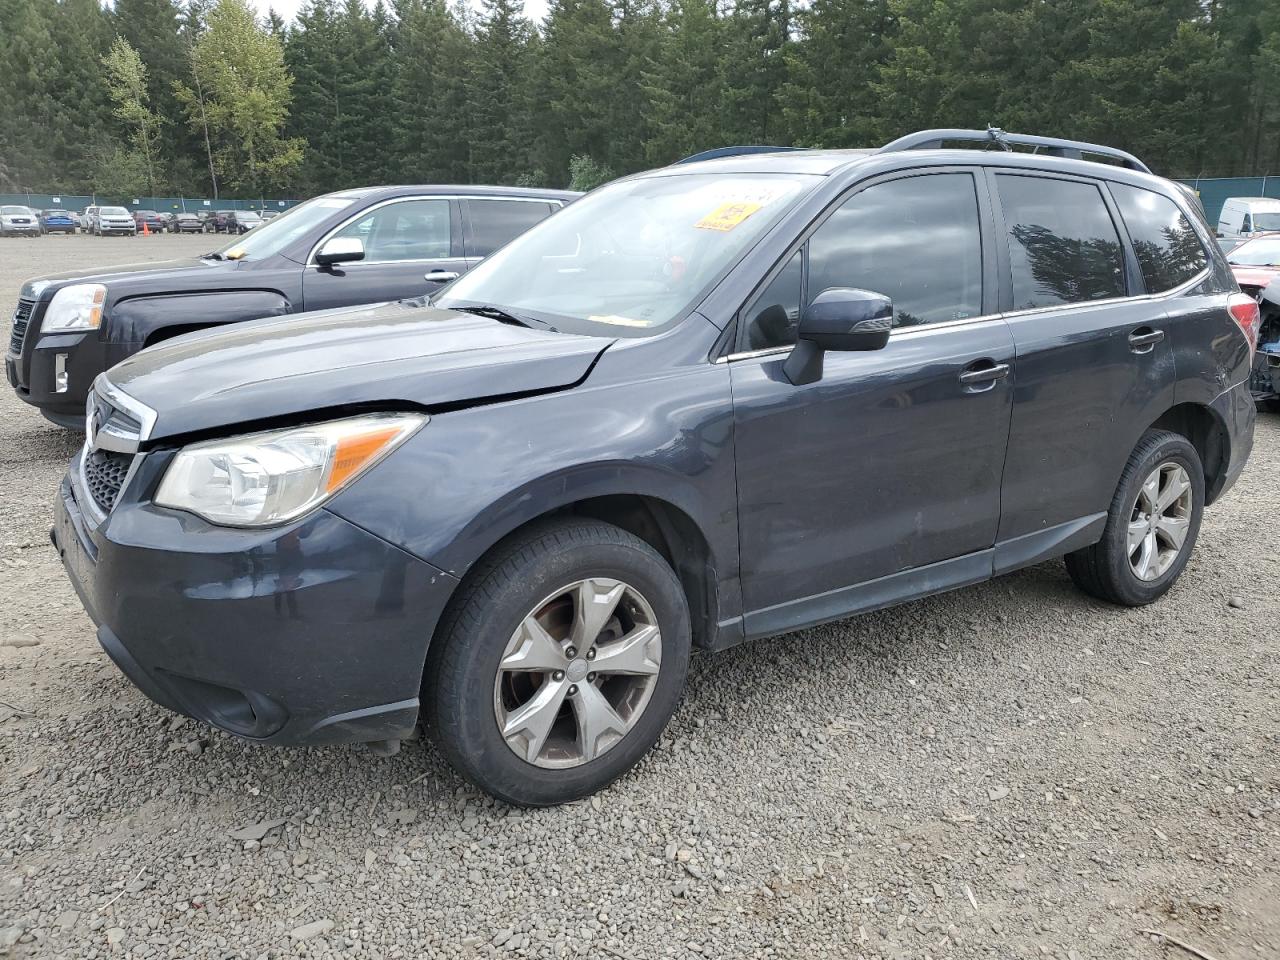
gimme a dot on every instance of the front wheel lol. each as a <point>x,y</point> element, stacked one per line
<point>559,663</point>
<point>1152,524</point>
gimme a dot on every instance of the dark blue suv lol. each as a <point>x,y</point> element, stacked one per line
<point>705,404</point>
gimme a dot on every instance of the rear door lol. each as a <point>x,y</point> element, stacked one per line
<point>412,246</point>
<point>490,222</point>
<point>1094,361</point>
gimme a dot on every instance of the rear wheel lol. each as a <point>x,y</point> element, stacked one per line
<point>1152,524</point>
<point>559,663</point>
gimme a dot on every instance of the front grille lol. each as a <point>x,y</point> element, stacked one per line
<point>21,317</point>
<point>104,473</point>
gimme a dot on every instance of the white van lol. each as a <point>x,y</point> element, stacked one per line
<point>1245,216</point>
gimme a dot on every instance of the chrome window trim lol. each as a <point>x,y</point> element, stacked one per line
<point>923,328</point>
<point>311,257</point>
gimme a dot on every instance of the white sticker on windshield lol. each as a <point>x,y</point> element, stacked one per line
<point>618,321</point>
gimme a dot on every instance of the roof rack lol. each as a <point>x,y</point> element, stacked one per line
<point>719,152</point>
<point>995,137</point>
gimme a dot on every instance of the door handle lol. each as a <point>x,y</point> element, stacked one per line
<point>984,372</point>
<point>441,276</point>
<point>1144,339</point>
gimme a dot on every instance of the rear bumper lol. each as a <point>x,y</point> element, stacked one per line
<point>314,633</point>
<point>1238,413</point>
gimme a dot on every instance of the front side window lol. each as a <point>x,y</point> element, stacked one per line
<point>494,222</point>
<point>409,230</point>
<point>1168,250</point>
<point>773,316</point>
<point>633,257</point>
<point>1063,246</point>
<point>915,240</point>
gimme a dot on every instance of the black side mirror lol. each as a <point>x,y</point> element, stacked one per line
<point>839,318</point>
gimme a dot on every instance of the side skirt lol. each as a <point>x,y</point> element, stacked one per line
<point>1004,557</point>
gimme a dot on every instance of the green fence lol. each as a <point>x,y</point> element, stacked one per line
<point>46,201</point>
<point>1215,191</point>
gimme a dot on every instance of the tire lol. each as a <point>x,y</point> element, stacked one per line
<point>1107,569</point>
<point>537,571</point>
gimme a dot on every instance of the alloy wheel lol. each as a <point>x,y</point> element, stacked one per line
<point>1159,521</point>
<point>577,673</point>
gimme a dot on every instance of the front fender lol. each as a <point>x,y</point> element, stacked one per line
<point>136,319</point>
<point>473,476</point>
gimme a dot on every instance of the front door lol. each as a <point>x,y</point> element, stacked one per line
<point>412,247</point>
<point>892,461</point>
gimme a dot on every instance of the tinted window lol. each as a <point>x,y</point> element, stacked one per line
<point>915,240</point>
<point>772,316</point>
<point>411,230</point>
<point>1168,250</point>
<point>1063,247</point>
<point>494,222</point>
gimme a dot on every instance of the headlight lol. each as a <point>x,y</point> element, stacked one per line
<point>270,478</point>
<point>77,307</point>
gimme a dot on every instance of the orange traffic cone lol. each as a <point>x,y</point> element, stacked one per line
<point>146,231</point>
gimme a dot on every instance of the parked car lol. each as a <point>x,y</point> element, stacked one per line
<point>706,404</point>
<point>1244,217</point>
<point>150,219</point>
<point>345,248</point>
<point>89,220</point>
<point>220,221</point>
<point>187,223</point>
<point>1256,266</point>
<point>58,221</point>
<point>270,214</point>
<point>242,221</point>
<point>117,220</point>
<point>19,221</point>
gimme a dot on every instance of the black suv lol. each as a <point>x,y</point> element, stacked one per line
<point>705,404</point>
<point>357,246</point>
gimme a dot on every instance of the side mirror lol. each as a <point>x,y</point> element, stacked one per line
<point>340,250</point>
<point>839,318</point>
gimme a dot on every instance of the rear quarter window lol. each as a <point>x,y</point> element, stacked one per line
<point>1168,250</point>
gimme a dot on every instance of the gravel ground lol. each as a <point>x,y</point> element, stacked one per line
<point>1011,770</point>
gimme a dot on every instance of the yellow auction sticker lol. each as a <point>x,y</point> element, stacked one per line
<point>727,216</point>
<point>235,254</point>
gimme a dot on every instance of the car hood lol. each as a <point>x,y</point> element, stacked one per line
<point>388,355</point>
<point>115,277</point>
<point>1255,276</point>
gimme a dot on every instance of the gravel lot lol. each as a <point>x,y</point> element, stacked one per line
<point>1011,770</point>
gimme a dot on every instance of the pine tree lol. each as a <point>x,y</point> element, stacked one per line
<point>683,84</point>
<point>501,136</point>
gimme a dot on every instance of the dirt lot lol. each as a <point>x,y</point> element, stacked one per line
<point>1011,770</point>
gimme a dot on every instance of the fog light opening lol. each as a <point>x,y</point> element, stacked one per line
<point>60,381</point>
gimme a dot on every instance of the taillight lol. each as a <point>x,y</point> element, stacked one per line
<point>1248,317</point>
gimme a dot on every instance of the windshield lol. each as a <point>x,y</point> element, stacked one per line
<point>1263,252</point>
<point>1266,221</point>
<point>631,258</point>
<point>270,238</point>
<point>11,211</point>
<point>147,213</point>
<point>113,211</point>
<point>56,213</point>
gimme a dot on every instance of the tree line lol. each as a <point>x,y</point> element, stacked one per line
<point>201,96</point>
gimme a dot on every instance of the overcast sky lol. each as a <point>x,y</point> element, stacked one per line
<point>534,9</point>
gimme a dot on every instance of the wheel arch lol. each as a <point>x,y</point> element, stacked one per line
<point>1207,432</point>
<point>151,318</point>
<point>659,522</point>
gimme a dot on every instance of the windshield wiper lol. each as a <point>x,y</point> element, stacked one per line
<point>212,256</point>
<point>502,315</point>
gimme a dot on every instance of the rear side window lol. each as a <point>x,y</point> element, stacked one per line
<point>1168,250</point>
<point>1063,246</point>
<point>494,222</point>
<point>915,240</point>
